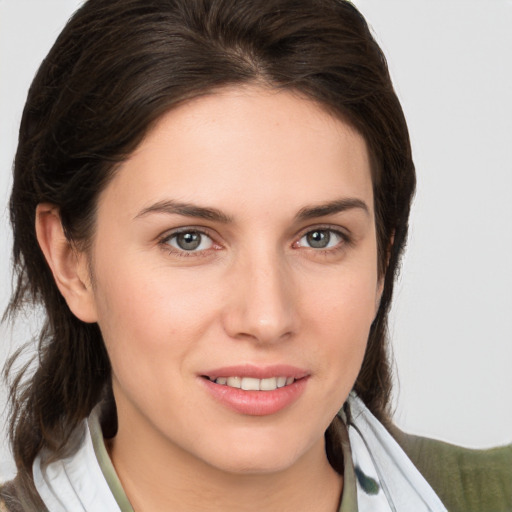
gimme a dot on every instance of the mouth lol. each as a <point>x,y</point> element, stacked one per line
<point>256,390</point>
<point>252,383</point>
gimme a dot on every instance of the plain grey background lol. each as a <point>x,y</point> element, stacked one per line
<point>451,61</point>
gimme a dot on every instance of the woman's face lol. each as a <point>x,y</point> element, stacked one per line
<point>237,247</point>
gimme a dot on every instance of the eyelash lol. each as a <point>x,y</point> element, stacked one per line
<point>181,253</point>
<point>345,240</point>
<point>164,241</point>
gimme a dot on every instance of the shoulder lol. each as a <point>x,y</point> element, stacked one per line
<point>8,498</point>
<point>466,480</point>
<point>12,499</point>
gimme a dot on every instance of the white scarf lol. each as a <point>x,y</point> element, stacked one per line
<point>386,480</point>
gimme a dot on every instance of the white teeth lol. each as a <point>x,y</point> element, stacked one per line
<point>253,384</point>
<point>233,382</point>
<point>281,381</point>
<point>268,384</point>
<point>250,384</point>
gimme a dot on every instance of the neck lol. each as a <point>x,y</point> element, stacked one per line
<point>158,477</point>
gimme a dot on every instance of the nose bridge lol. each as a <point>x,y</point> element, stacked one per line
<point>262,306</point>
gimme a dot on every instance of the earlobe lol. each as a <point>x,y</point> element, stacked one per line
<point>69,266</point>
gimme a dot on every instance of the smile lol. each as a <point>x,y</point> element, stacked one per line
<point>256,390</point>
<point>253,384</point>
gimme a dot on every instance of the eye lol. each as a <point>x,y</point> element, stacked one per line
<point>190,241</point>
<point>321,239</point>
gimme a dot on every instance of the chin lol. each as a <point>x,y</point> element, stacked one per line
<point>260,456</point>
<point>273,463</point>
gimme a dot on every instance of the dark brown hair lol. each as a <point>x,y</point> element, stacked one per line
<point>117,66</point>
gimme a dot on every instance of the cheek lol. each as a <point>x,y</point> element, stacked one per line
<point>149,315</point>
<point>345,298</point>
<point>341,313</point>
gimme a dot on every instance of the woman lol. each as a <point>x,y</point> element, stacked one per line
<point>210,200</point>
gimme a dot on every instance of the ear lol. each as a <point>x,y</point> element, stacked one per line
<point>68,265</point>
<point>378,295</point>
<point>382,278</point>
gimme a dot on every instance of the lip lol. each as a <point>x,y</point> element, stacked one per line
<point>256,372</point>
<point>256,403</point>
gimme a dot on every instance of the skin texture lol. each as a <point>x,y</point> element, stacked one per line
<point>254,292</point>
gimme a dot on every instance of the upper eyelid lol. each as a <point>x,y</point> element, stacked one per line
<point>168,234</point>
<point>344,239</point>
<point>163,242</point>
<point>344,232</point>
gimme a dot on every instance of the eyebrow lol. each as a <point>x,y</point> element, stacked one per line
<point>330,208</point>
<point>186,209</point>
<point>171,207</point>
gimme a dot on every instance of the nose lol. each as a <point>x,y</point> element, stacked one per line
<point>262,304</point>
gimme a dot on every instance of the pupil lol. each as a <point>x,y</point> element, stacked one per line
<point>318,239</point>
<point>188,241</point>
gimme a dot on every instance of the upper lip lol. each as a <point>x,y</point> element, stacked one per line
<point>256,372</point>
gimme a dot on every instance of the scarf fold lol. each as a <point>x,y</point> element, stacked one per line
<point>76,483</point>
<point>385,479</point>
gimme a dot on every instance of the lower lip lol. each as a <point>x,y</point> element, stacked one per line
<point>256,403</point>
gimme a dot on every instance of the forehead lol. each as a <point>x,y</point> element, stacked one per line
<point>246,147</point>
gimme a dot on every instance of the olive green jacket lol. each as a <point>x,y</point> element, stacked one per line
<point>465,480</point>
